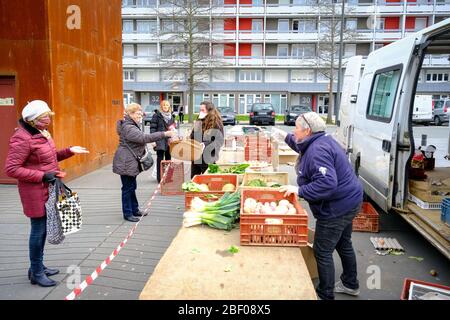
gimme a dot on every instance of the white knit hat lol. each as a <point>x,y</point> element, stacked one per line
<point>34,109</point>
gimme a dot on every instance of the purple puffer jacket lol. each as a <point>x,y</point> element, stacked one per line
<point>325,177</point>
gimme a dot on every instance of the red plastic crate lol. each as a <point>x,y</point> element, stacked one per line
<point>215,183</point>
<point>407,285</point>
<point>171,183</point>
<point>367,220</point>
<point>259,230</point>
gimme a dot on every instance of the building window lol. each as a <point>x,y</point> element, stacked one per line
<point>350,50</point>
<point>437,76</point>
<point>283,50</point>
<point>250,76</point>
<point>172,51</point>
<point>223,75</point>
<point>302,75</point>
<point>147,75</point>
<point>324,76</point>
<point>172,25</point>
<point>172,75</point>
<point>303,50</point>
<point>283,25</point>
<point>218,25</point>
<point>383,94</point>
<point>146,26</point>
<point>146,50</point>
<point>307,25</point>
<point>127,3</point>
<point>276,76</point>
<point>128,50</point>
<point>267,98</point>
<point>202,77</point>
<point>146,3</point>
<point>257,25</point>
<point>128,75</point>
<point>127,26</point>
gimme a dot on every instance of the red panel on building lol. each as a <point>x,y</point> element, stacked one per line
<point>314,102</point>
<point>392,0</point>
<point>245,49</point>
<point>230,2</point>
<point>392,23</point>
<point>229,24</point>
<point>229,50</point>
<point>245,2</point>
<point>245,24</point>
<point>410,23</point>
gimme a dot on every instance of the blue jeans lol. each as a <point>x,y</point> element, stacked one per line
<point>38,236</point>
<point>331,234</point>
<point>130,203</point>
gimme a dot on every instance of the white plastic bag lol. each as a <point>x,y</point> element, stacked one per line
<point>154,173</point>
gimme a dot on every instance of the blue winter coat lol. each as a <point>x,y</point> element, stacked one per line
<point>325,177</point>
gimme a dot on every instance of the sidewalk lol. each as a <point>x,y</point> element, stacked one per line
<point>103,229</point>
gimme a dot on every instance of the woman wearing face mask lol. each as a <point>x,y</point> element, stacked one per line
<point>327,182</point>
<point>162,121</point>
<point>33,160</point>
<point>125,164</point>
<point>208,130</point>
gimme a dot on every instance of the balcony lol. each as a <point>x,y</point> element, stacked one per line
<point>290,9</point>
<point>436,60</point>
<point>141,61</point>
<point>380,34</point>
<point>293,61</point>
<point>139,37</point>
<point>291,35</point>
<point>135,11</point>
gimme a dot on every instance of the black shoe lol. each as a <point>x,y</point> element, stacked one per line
<point>42,280</point>
<point>140,213</point>
<point>132,219</point>
<point>48,272</point>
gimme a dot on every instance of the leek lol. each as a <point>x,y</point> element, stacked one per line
<point>221,214</point>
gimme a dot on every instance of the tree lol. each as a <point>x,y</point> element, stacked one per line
<point>186,38</point>
<point>329,42</point>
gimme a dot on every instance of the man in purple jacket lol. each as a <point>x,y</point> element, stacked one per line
<point>327,182</point>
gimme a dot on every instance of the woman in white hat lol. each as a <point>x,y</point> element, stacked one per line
<point>33,160</point>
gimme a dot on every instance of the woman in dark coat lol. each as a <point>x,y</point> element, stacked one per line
<point>161,121</point>
<point>208,130</point>
<point>125,164</point>
<point>33,160</point>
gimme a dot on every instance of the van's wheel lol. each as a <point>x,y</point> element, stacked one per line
<point>437,121</point>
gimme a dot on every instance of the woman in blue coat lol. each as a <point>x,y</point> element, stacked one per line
<point>327,182</point>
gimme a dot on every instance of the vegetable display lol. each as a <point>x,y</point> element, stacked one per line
<point>251,206</point>
<point>237,169</point>
<point>262,183</point>
<point>221,214</point>
<point>194,187</point>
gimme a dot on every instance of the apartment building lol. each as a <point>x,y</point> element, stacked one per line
<point>269,50</point>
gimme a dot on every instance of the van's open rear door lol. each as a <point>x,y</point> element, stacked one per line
<point>376,119</point>
<point>348,101</point>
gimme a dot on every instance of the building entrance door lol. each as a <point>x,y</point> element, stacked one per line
<point>8,114</point>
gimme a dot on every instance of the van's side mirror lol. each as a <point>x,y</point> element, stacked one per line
<point>353,98</point>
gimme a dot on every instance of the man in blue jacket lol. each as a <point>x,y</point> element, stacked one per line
<point>327,182</point>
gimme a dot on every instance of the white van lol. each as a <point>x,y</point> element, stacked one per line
<point>423,109</point>
<point>375,125</point>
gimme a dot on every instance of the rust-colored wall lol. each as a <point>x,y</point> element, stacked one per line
<point>78,72</point>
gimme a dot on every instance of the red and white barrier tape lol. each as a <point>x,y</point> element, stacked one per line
<point>94,275</point>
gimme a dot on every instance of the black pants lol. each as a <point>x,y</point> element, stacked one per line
<point>160,156</point>
<point>181,115</point>
<point>198,168</point>
<point>331,234</point>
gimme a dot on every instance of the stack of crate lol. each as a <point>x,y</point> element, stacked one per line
<point>258,148</point>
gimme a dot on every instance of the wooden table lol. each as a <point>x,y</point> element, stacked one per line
<point>198,266</point>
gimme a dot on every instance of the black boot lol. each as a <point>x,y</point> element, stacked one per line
<point>48,272</point>
<point>42,280</point>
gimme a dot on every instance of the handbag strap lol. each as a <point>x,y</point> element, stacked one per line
<point>59,185</point>
<point>131,150</point>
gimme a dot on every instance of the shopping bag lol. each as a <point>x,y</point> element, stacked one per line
<point>55,234</point>
<point>69,208</point>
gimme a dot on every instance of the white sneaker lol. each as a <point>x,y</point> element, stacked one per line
<point>340,288</point>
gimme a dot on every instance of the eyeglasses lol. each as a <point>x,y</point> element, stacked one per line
<point>303,117</point>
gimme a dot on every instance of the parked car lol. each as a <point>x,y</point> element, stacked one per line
<point>262,113</point>
<point>441,111</point>
<point>293,112</point>
<point>148,114</point>
<point>228,115</point>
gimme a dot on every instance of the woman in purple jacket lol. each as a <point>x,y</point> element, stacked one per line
<point>327,182</point>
